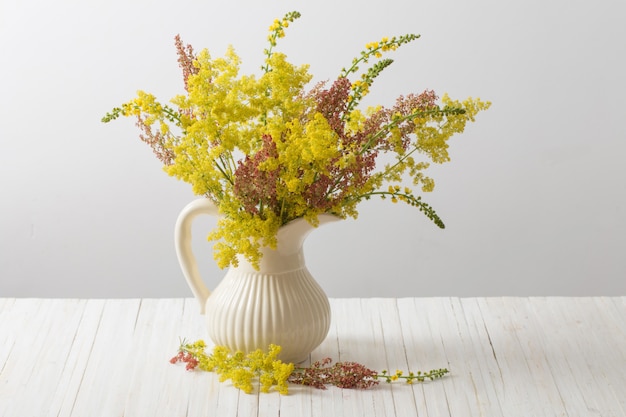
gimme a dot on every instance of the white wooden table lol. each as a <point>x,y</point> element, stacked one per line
<point>507,357</point>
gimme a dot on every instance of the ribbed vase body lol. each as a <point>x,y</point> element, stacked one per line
<point>252,309</point>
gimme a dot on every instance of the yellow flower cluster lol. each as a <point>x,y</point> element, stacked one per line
<point>243,370</point>
<point>267,151</point>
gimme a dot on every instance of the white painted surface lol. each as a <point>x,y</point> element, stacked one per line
<point>508,357</point>
<point>534,199</point>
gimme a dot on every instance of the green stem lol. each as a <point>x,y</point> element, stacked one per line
<point>356,62</point>
<point>221,168</point>
<point>172,115</point>
<point>407,198</point>
<point>419,376</point>
<point>400,160</point>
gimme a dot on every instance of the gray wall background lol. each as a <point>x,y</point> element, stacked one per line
<point>534,198</point>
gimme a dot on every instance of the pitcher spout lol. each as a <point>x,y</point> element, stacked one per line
<point>291,236</point>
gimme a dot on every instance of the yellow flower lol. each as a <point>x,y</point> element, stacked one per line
<point>275,25</point>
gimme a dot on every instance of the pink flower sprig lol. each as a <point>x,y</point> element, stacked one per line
<point>354,375</point>
<point>188,358</point>
<point>341,374</point>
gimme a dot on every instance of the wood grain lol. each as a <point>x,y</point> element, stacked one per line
<point>544,356</point>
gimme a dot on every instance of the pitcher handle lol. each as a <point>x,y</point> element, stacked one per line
<point>182,241</point>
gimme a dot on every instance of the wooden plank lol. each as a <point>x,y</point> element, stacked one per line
<point>557,348</point>
<point>44,329</point>
<point>591,344</point>
<point>53,360</point>
<point>105,381</point>
<point>361,341</point>
<point>195,392</point>
<point>480,362</point>
<point>467,351</point>
<point>384,349</point>
<point>70,379</point>
<point>528,385</point>
<point>5,306</point>
<point>8,336</point>
<point>384,319</point>
<point>42,354</point>
<point>424,351</point>
<point>23,328</point>
<point>154,387</point>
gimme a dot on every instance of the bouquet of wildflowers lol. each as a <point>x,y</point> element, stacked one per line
<point>271,148</point>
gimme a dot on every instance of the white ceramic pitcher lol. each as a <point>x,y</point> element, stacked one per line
<point>278,304</point>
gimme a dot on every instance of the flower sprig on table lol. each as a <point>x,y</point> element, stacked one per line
<point>269,149</point>
<point>243,370</point>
